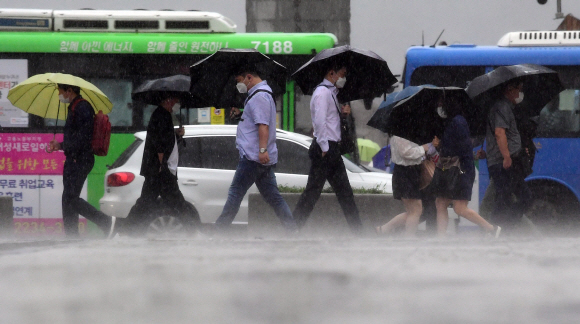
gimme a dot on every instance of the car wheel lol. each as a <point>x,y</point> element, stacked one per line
<point>554,211</point>
<point>164,223</point>
<point>166,227</point>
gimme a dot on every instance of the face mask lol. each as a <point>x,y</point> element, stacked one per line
<point>520,98</point>
<point>63,99</point>
<point>340,82</point>
<point>441,112</point>
<point>242,87</point>
<point>176,108</point>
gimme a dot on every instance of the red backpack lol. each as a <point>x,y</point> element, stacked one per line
<point>101,132</point>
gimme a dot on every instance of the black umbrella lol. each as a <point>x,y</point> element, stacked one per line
<point>212,79</point>
<point>154,91</point>
<point>381,116</point>
<point>368,75</point>
<point>415,117</point>
<point>541,85</point>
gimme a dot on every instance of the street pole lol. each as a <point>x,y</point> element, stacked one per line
<point>559,14</point>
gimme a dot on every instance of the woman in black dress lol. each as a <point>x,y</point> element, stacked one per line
<point>407,157</point>
<point>455,172</point>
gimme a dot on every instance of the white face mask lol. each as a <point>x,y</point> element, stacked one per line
<point>340,82</point>
<point>176,108</point>
<point>242,87</point>
<point>520,98</point>
<point>441,112</point>
<point>63,99</point>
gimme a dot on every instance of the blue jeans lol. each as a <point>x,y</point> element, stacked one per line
<point>247,173</point>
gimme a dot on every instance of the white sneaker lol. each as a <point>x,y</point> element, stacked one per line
<point>112,229</point>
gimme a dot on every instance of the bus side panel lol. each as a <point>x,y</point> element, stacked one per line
<point>558,158</point>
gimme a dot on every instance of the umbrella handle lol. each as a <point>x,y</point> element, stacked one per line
<point>47,148</point>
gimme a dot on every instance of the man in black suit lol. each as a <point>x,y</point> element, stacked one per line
<point>159,166</point>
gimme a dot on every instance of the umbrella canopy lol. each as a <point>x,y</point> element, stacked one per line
<point>541,85</point>
<point>154,91</point>
<point>367,149</point>
<point>381,116</point>
<point>38,95</point>
<point>399,95</point>
<point>414,115</point>
<point>368,75</point>
<point>213,78</point>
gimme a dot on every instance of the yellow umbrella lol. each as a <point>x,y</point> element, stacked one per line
<point>367,149</point>
<point>38,95</point>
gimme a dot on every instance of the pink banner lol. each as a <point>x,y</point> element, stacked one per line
<point>24,153</point>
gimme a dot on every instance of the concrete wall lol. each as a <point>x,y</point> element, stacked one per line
<point>327,218</point>
<point>300,16</point>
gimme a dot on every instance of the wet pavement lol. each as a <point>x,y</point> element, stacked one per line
<point>306,280</point>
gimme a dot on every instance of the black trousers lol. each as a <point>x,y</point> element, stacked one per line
<point>331,168</point>
<point>74,174</point>
<point>163,184</point>
<point>510,182</point>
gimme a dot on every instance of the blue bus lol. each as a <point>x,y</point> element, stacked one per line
<point>555,182</point>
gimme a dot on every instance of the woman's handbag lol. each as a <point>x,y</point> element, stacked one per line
<point>447,176</point>
<point>427,171</point>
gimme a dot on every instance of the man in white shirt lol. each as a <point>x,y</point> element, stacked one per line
<point>324,151</point>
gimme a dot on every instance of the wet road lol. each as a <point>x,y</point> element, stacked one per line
<point>342,280</point>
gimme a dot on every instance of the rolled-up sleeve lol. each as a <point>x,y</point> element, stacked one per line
<point>319,121</point>
<point>262,115</point>
<point>406,149</point>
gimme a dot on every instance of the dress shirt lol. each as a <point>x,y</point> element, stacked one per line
<point>260,109</point>
<point>405,152</point>
<point>324,113</point>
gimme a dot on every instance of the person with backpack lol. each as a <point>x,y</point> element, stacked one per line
<point>256,143</point>
<point>78,150</point>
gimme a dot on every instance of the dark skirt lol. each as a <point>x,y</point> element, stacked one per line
<point>406,180</point>
<point>446,185</point>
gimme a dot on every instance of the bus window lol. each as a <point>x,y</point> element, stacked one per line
<point>119,92</point>
<point>446,76</point>
<point>561,116</point>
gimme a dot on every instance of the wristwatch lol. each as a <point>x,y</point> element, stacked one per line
<point>263,150</point>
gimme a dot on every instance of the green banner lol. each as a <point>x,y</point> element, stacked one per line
<point>176,43</point>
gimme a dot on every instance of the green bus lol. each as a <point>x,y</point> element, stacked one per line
<point>117,51</point>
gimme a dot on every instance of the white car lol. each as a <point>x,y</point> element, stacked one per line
<point>206,168</point>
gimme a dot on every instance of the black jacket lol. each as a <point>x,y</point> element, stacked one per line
<point>78,130</point>
<point>160,139</point>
